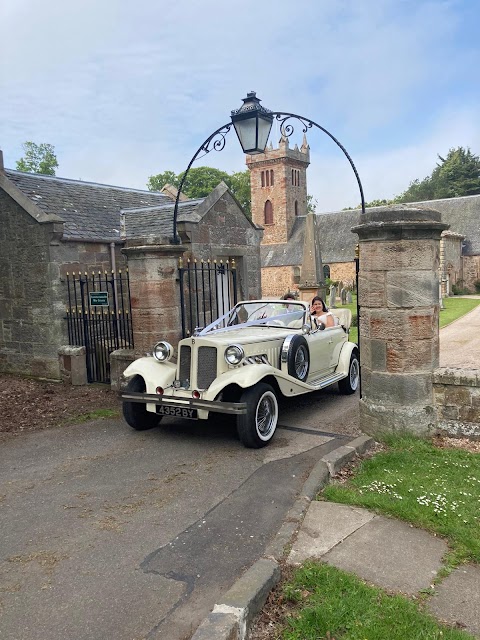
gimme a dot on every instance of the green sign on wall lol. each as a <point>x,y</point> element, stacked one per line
<point>98,298</point>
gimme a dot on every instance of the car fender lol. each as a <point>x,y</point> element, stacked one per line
<point>156,374</point>
<point>249,375</point>
<point>344,359</point>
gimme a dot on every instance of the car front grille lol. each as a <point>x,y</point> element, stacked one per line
<point>207,366</point>
<point>185,362</point>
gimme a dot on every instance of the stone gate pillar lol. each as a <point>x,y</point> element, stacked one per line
<point>154,294</point>
<point>399,304</point>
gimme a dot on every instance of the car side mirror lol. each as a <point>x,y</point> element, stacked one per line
<point>321,326</point>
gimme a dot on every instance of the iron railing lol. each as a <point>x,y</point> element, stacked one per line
<point>99,317</point>
<point>208,289</point>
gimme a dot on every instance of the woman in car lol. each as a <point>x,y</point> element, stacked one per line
<point>321,314</point>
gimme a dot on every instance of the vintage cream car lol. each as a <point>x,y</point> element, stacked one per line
<point>240,365</point>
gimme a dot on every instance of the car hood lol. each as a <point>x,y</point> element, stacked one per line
<point>242,336</point>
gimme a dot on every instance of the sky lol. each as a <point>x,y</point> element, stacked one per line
<point>127,90</point>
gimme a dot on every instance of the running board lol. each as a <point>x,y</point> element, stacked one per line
<point>320,383</point>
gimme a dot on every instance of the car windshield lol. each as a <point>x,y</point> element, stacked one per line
<point>268,314</point>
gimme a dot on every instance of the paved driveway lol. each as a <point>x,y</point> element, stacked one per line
<point>110,533</point>
<point>459,342</point>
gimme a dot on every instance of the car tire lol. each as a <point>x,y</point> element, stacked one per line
<point>350,384</point>
<point>298,358</point>
<point>257,426</point>
<point>135,413</point>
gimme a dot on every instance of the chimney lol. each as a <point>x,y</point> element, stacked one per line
<point>2,167</point>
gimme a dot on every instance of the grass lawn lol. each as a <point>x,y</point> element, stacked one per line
<point>332,605</point>
<point>353,336</point>
<point>456,308</point>
<point>437,489</point>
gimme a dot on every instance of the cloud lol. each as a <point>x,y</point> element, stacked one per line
<point>123,92</point>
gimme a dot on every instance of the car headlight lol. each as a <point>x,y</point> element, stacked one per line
<point>234,354</point>
<point>162,351</point>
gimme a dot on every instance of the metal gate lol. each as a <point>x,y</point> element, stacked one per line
<point>99,317</point>
<point>208,289</point>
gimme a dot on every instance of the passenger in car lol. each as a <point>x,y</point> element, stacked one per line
<point>320,314</point>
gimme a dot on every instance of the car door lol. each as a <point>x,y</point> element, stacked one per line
<point>321,347</point>
<point>336,338</point>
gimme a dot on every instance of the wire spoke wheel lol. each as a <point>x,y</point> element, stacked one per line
<point>266,415</point>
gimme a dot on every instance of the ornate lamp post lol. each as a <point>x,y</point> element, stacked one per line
<point>253,123</point>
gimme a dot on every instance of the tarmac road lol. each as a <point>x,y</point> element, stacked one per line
<point>110,533</point>
<point>459,342</point>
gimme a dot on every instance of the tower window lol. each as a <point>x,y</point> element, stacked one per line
<point>266,178</point>
<point>296,208</point>
<point>268,212</point>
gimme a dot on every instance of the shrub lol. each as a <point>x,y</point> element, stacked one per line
<point>476,284</point>
<point>459,290</point>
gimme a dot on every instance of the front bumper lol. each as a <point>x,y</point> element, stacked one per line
<point>188,403</point>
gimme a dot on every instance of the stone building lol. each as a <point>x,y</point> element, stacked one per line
<point>279,204</point>
<point>278,181</point>
<point>50,226</point>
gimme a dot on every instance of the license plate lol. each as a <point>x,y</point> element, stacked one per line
<point>177,412</point>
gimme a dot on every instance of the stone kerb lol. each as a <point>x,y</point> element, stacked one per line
<point>399,302</point>
<point>154,293</point>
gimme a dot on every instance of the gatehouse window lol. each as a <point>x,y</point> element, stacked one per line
<point>326,271</point>
<point>268,212</point>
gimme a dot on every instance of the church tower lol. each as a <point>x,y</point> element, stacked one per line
<point>278,181</point>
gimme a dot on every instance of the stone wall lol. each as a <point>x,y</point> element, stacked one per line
<point>276,281</point>
<point>343,272</point>
<point>451,265</point>
<point>457,402</point>
<point>29,336</point>
<point>471,271</point>
<point>33,294</point>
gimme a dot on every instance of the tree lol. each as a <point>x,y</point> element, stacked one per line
<point>456,175</point>
<point>311,204</point>
<point>156,183</point>
<point>239,184</point>
<point>39,158</point>
<point>202,180</point>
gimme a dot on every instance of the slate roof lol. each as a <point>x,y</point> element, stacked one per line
<point>91,211</point>
<point>157,221</point>
<point>286,254</point>
<point>463,216</point>
<point>337,242</point>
